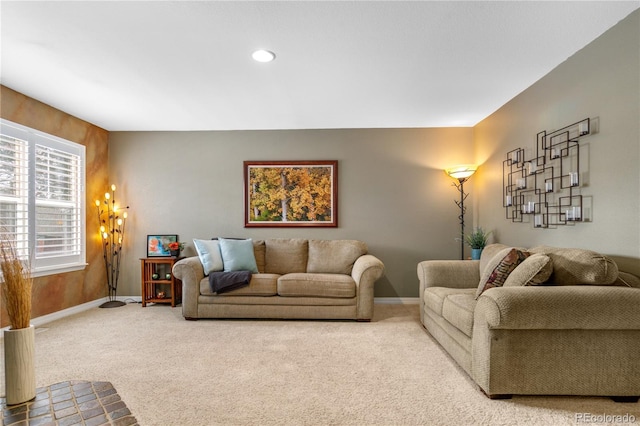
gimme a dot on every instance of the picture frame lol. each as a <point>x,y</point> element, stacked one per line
<point>156,243</point>
<point>306,191</point>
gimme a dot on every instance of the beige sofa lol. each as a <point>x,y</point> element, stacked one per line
<point>560,322</point>
<point>297,278</point>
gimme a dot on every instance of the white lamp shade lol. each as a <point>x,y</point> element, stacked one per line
<point>462,171</point>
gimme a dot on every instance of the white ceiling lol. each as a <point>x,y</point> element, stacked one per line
<point>186,65</point>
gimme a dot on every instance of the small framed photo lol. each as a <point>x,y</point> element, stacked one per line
<point>156,245</point>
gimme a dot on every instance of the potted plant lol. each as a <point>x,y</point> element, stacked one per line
<point>477,240</point>
<point>174,248</point>
<point>19,339</point>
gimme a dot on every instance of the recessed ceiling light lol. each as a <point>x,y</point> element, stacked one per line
<point>263,55</point>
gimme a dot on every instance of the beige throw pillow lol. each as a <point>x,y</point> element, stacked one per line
<point>535,270</point>
<point>572,266</point>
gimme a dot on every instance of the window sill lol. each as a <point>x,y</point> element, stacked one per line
<point>63,269</point>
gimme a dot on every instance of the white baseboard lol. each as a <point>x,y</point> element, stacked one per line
<point>397,300</point>
<point>44,319</point>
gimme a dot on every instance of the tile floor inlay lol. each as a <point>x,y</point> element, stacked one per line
<point>69,403</point>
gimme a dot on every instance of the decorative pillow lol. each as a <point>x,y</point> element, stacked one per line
<point>209,254</point>
<point>489,252</point>
<point>237,255</point>
<point>572,266</point>
<point>535,270</point>
<point>499,268</point>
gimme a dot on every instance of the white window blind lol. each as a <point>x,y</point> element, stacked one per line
<point>42,201</point>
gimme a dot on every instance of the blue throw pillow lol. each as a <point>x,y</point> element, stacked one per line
<point>237,255</point>
<point>209,254</point>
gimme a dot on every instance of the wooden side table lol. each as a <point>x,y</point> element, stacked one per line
<point>158,283</point>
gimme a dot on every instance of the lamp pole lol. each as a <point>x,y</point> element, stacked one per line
<point>463,196</point>
<point>461,174</point>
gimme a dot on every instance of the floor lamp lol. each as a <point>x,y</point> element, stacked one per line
<point>112,223</point>
<point>461,173</point>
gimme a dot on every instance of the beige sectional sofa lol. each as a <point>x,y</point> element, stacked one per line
<point>296,278</point>
<point>543,321</point>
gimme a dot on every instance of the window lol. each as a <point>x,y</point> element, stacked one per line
<point>42,198</point>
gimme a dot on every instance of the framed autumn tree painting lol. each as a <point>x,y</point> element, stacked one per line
<point>291,193</point>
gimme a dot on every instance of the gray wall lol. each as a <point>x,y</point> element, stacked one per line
<point>602,82</point>
<point>393,193</point>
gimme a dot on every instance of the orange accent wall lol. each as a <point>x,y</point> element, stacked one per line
<point>61,291</point>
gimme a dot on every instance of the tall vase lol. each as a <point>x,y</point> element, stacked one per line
<point>19,365</point>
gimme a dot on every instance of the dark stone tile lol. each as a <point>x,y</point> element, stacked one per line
<point>110,399</point>
<point>80,385</point>
<point>92,413</point>
<point>125,421</point>
<point>86,398</point>
<point>55,406</point>
<point>22,408</point>
<point>40,403</point>
<point>42,421</point>
<point>83,391</point>
<point>61,391</point>
<point>106,392</point>
<point>65,412</point>
<point>59,386</point>
<point>64,404</point>
<point>122,412</point>
<point>15,418</point>
<point>85,406</point>
<point>60,398</point>
<point>76,419</point>
<point>114,407</point>
<point>101,386</point>
<point>40,411</point>
<point>96,421</point>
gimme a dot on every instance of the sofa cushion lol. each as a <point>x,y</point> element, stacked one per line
<point>535,270</point>
<point>573,266</point>
<point>334,256</point>
<point>209,254</point>
<point>316,285</point>
<point>458,309</point>
<point>499,268</point>
<point>434,296</point>
<point>284,256</point>
<point>260,285</point>
<point>237,255</point>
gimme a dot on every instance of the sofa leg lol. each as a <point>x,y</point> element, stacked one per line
<point>191,319</point>
<point>632,399</point>
<point>496,395</point>
<point>500,396</point>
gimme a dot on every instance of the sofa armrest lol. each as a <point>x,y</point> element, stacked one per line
<point>583,307</point>
<point>190,272</point>
<point>449,273</point>
<point>367,269</point>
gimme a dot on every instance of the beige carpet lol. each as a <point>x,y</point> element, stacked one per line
<point>388,372</point>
